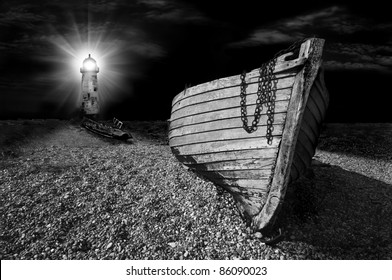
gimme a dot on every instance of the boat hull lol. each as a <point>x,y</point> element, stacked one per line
<point>105,130</point>
<point>207,135</point>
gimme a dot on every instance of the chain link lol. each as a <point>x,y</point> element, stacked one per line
<point>266,94</point>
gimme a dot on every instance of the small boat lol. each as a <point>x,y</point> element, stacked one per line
<point>103,129</point>
<point>254,133</point>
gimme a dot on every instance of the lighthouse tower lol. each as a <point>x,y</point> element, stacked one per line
<point>89,105</point>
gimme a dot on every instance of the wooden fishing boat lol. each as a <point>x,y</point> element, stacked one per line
<point>105,130</point>
<point>255,162</point>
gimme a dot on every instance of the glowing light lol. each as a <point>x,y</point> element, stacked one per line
<point>123,56</point>
<point>89,65</point>
<point>72,48</point>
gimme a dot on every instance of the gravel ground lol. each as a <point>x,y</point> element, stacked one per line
<point>68,194</point>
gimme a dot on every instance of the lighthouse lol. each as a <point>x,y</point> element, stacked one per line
<point>89,100</point>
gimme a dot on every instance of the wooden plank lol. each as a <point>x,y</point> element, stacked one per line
<point>211,157</point>
<point>211,121</point>
<point>318,98</point>
<point>312,129</point>
<point>237,174</point>
<point>314,110</point>
<point>252,185</point>
<point>220,124</point>
<point>206,113</point>
<point>308,143</point>
<point>301,157</point>
<point>225,134</point>
<point>226,145</point>
<point>233,100</point>
<point>238,164</point>
<point>322,90</point>
<point>225,93</point>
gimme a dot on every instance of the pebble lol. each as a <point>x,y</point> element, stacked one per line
<point>258,235</point>
<point>221,241</point>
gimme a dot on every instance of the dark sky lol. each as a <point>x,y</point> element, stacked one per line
<point>148,50</point>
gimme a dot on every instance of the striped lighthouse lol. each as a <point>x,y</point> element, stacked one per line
<point>89,97</point>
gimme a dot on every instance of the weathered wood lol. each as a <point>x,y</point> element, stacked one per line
<point>310,128</point>
<point>314,106</point>
<point>213,118</point>
<point>226,145</point>
<point>251,77</point>
<point>219,124</point>
<point>216,112</point>
<point>237,164</point>
<point>222,134</point>
<point>302,158</point>
<point>323,95</point>
<point>250,184</point>
<point>313,109</point>
<point>285,156</point>
<point>230,97</point>
<point>265,218</point>
<point>308,146</point>
<point>221,104</point>
<point>237,174</point>
<point>211,157</point>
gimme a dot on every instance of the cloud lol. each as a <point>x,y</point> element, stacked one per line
<point>335,20</point>
<point>23,17</point>
<point>310,19</point>
<point>287,30</point>
<point>338,65</point>
<point>339,24</point>
<point>344,56</point>
<point>267,37</point>
<point>172,11</point>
